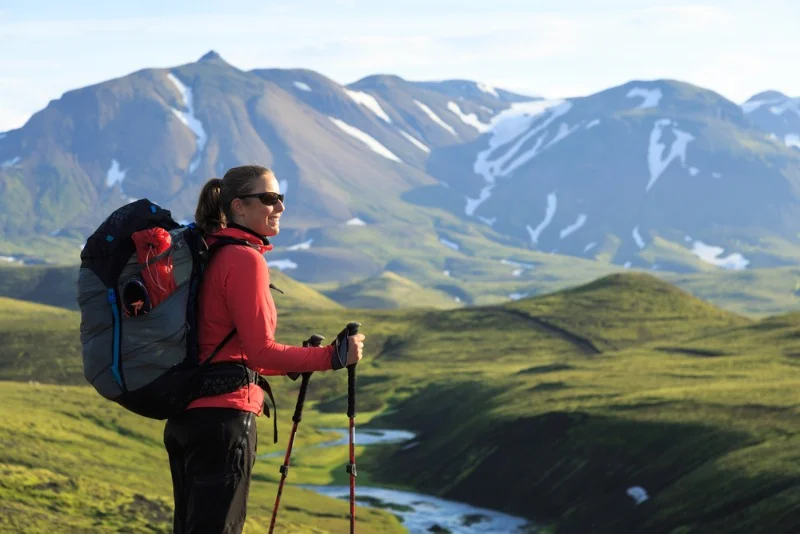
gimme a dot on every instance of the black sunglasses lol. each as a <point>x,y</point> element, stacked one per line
<point>268,199</point>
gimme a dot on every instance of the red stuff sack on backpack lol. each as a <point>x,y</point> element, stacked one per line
<point>152,252</point>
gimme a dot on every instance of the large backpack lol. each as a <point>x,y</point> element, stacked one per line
<point>148,363</point>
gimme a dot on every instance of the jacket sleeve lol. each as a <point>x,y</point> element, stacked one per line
<point>247,299</point>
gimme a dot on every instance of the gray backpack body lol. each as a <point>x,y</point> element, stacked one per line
<point>148,363</point>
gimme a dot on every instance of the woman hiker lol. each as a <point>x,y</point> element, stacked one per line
<point>212,445</point>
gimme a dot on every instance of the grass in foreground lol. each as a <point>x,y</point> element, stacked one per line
<point>73,462</point>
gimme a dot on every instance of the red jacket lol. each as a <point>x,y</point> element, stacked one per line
<point>235,294</point>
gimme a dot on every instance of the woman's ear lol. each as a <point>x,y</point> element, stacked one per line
<point>237,206</point>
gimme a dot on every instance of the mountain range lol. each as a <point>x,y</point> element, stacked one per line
<point>445,183</point>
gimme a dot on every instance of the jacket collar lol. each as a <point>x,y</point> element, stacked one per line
<point>242,232</point>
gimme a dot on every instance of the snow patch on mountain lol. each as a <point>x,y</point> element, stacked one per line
<point>550,211</point>
<point>656,161</point>
<point>638,494</point>
<point>517,124</point>
<point>487,89</point>
<point>712,254</point>
<point>305,245</point>
<point>189,119</point>
<point>302,86</point>
<point>574,227</point>
<point>450,244</point>
<point>638,238</point>
<point>520,267</point>
<point>752,105</point>
<point>790,104</point>
<point>650,97</point>
<point>114,175</point>
<point>369,102</point>
<point>415,142</point>
<point>434,117</point>
<point>10,162</point>
<point>283,265</point>
<point>563,131</point>
<point>517,263</point>
<point>365,138</point>
<point>470,119</point>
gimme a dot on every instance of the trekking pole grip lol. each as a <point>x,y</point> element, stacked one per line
<point>351,376</point>
<point>313,341</point>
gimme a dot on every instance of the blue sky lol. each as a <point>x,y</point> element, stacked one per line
<point>548,48</point>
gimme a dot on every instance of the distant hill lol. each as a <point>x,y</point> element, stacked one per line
<point>390,290</point>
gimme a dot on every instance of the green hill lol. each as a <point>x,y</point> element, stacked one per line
<point>553,407</point>
<point>390,290</point>
<point>45,284</point>
<point>298,296</point>
<point>625,309</point>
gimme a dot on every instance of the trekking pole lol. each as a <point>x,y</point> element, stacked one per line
<point>313,341</point>
<point>351,330</point>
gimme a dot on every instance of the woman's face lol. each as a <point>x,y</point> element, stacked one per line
<point>264,220</point>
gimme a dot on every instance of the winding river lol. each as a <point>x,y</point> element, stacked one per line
<point>419,513</point>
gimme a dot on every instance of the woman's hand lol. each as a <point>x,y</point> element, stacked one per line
<point>355,347</point>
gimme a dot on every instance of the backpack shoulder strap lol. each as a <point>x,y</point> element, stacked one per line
<point>220,242</point>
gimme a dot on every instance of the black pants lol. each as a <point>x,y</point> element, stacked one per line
<point>211,455</point>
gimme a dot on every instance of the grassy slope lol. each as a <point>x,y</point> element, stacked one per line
<point>39,342</point>
<point>518,410</point>
<point>390,290</point>
<point>72,460</point>
<point>705,420</point>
